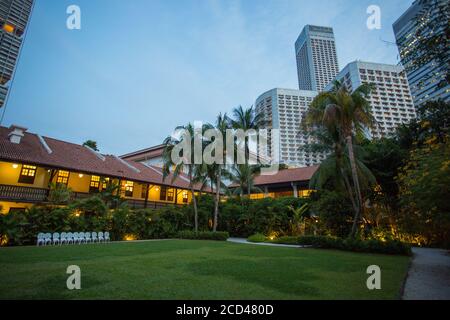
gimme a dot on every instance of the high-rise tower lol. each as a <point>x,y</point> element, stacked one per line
<point>426,77</point>
<point>317,63</point>
<point>14,16</point>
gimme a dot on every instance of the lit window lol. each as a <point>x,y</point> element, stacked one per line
<point>27,174</point>
<point>304,193</point>
<point>94,185</point>
<point>8,28</point>
<point>63,177</point>
<point>185,197</point>
<point>129,186</point>
<point>170,193</point>
<point>105,183</point>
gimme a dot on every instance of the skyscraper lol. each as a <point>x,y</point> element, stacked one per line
<point>14,16</point>
<point>391,101</point>
<point>317,62</point>
<point>283,109</point>
<point>426,78</point>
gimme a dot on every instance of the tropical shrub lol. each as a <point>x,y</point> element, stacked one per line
<point>258,237</point>
<point>334,212</point>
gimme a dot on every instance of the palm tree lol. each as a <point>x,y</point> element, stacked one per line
<point>244,175</point>
<point>188,133</point>
<point>343,114</point>
<point>222,125</point>
<point>245,119</point>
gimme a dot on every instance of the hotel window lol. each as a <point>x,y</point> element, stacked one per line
<point>185,197</point>
<point>129,186</point>
<point>170,193</point>
<point>105,182</point>
<point>94,185</point>
<point>63,177</point>
<point>27,174</point>
<point>304,193</point>
<point>163,193</point>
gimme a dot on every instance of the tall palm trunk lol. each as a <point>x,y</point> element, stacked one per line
<point>339,167</point>
<point>217,200</point>
<point>351,155</point>
<point>194,200</point>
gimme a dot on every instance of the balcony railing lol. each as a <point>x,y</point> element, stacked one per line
<point>22,194</point>
<point>38,195</point>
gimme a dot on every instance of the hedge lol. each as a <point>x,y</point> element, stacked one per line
<point>355,245</point>
<point>203,235</point>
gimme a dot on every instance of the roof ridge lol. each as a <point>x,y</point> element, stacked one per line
<point>127,164</point>
<point>44,144</point>
<point>154,169</point>
<point>96,153</point>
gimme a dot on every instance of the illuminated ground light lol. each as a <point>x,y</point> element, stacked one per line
<point>130,237</point>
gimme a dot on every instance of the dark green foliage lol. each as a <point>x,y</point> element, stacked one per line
<point>203,235</point>
<point>334,212</point>
<point>91,144</point>
<point>242,217</point>
<point>357,245</point>
<point>22,227</point>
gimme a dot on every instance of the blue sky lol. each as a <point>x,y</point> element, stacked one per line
<point>139,68</point>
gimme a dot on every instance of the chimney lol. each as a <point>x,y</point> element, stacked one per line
<point>16,134</point>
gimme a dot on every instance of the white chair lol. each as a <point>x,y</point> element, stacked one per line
<point>47,238</point>
<point>87,237</point>
<point>69,238</point>
<point>76,238</point>
<point>40,239</point>
<point>107,236</point>
<point>80,237</point>
<point>55,237</point>
<point>63,238</point>
<point>100,237</point>
<point>94,236</point>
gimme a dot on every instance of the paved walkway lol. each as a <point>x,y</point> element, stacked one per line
<point>428,276</point>
<point>244,241</point>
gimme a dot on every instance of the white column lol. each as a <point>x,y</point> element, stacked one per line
<point>294,187</point>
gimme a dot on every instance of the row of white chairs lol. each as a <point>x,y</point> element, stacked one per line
<point>71,238</point>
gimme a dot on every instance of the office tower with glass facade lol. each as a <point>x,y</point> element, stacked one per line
<point>427,79</point>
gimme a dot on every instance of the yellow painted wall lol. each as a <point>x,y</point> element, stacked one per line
<point>77,184</point>
<point>10,176</point>
<point>6,206</point>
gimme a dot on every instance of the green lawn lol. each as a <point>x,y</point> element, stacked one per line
<point>178,269</point>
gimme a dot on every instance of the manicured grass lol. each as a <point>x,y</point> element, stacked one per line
<point>183,269</point>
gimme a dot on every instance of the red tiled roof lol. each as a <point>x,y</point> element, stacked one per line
<point>285,176</point>
<point>73,157</point>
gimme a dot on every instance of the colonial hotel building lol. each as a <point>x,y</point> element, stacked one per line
<point>29,163</point>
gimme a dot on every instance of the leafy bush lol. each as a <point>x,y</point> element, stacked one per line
<point>243,217</point>
<point>258,237</point>
<point>356,245</point>
<point>22,227</point>
<point>203,235</point>
<point>59,193</point>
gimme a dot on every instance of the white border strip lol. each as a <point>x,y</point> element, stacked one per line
<point>44,144</point>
